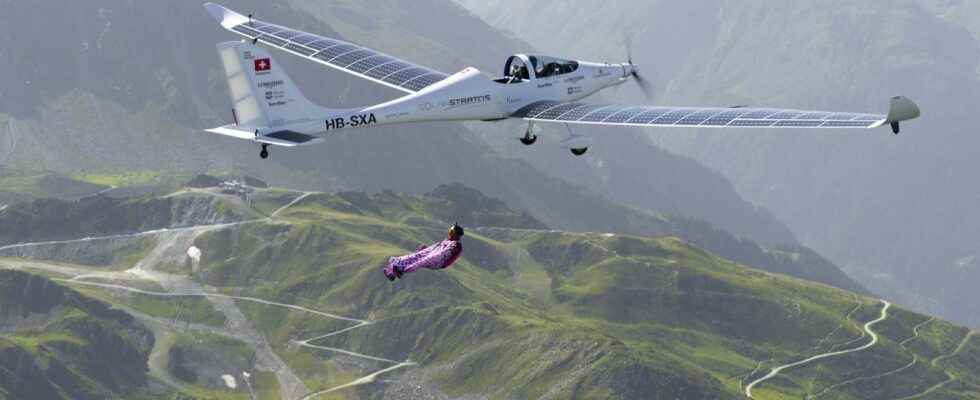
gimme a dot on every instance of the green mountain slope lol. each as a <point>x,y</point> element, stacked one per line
<point>531,313</point>
<point>526,313</point>
<point>52,220</point>
<point>58,344</point>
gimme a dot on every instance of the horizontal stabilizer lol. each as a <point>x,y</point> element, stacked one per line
<point>278,138</point>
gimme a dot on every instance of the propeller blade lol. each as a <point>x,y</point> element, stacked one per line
<point>643,84</point>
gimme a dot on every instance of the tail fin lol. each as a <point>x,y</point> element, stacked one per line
<point>262,94</point>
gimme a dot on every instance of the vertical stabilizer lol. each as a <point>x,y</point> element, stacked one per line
<point>262,94</point>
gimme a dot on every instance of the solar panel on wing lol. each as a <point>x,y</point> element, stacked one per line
<point>300,49</point>
<point>244,30</point>
<point>333,52</point>
<point>758,113</point>
<point>355,59</point>
<point>601,114</point>
<point>814,115</point>
<point>623,115</point>
<point>673,116</point>
<point>423,81</point>
<point>384,70</point>
<point>272,40</point>
<point>403,76</point>
<point>557,111</point>
<point>716,121</point>
<point>370,62</point>
<point>785,115</point>
<point>698,117</point>
<point>648,116</point>
<point>579,112</point>
<point>347,59</point>
<point>305,39</point>
<point>752,122</point>
<point>287,34</point>
<point>798,123</point>
<point>270,28</point>
<point>322,44</point>
<point>534,109</point>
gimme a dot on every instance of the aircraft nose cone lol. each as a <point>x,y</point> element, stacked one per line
<point>628,70</point>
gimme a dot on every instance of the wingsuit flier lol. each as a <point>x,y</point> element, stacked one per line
<point>437,256</point>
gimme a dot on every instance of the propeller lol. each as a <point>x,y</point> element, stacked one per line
<point>641,82</point>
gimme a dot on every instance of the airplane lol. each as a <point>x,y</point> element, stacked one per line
<point>269,108</point>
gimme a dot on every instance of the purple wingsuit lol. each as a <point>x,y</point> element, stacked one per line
<point>437,256</point>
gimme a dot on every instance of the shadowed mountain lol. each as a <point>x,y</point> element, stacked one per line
<point>57,344</point>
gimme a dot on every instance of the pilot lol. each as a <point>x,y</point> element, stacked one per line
<point>518,72</point>
<point>437,256</point>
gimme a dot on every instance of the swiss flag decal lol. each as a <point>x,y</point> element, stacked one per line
<point>263,64</point>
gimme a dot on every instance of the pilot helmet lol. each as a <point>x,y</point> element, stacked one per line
<point>456,229</point>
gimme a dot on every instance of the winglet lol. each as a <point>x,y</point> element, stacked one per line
<point>227,18</point>
<point>902,109</point>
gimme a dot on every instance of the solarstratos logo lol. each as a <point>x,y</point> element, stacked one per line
<point>465,101</point>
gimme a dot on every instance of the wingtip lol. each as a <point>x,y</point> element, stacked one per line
<point>902,108</point>
<point>226,17</point>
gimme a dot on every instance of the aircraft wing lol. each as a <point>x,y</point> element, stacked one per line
<point>351,58</point>
<point>278,138</point>
<point>713,117</point>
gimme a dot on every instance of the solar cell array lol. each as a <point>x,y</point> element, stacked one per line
<point>349,57</point>
<point>691,116</point>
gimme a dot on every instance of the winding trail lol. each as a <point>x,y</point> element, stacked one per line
<point>134,235</point>
<point>305,343</point>
<point>915,359</point>
<point>779,369</point>
<point>290,204</point>
<point>154,232</point>
<point>174,243</point>
<point>950,376</point>
<point>820,343</point>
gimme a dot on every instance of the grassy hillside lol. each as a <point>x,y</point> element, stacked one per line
<point>58,344</point>
<point>526,313</point>
<point>532,313</point>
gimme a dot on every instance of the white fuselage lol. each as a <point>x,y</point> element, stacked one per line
<point>469,95</point>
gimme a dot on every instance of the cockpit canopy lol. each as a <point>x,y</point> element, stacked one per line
<point>520,67</point>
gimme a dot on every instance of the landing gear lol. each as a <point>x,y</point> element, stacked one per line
<point>529,138</point>
<point>264,154</point>
<point>578,152</point>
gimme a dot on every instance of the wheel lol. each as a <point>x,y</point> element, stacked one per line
<point>580,151</point>
<point>529,139</point>
<point>264,154</point>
